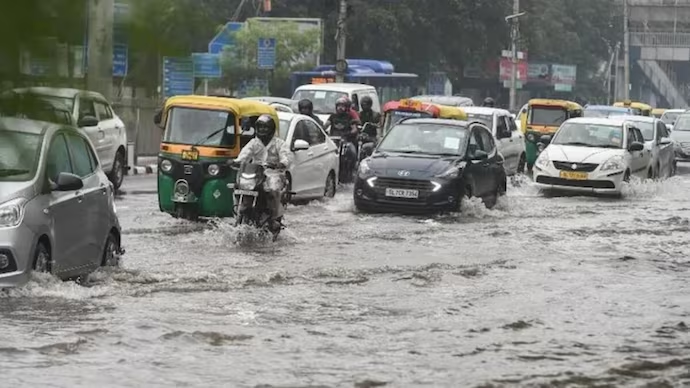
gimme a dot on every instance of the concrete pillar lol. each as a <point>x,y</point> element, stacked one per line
<point>100,50</point>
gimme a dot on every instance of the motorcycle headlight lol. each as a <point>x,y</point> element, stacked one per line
<point>364,168</point>
<point>166,165</point>
<point>450,173</point>
<point>247,183</point>
<point>543,160</point>
<point>213,170</point>
<point>614,163</point>
<point>12,213</point>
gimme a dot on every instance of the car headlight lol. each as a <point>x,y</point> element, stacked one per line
<point>543,161</point>
<point>614,163</point>
<point>213,170</point>
<point>12,213</point>
<point>166,165</point>
<point>364,168</point>
<point>450,173</point>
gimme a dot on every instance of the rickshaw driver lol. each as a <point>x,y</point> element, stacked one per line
<point>266,148</point>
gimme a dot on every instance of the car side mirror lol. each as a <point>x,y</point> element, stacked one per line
<point>300,145</point>
<point>67,182</point>
<point>636,146</point>
<point>479,155</point>
<point>158,118</point>
<point>87,121</point>
<point>665,141</point>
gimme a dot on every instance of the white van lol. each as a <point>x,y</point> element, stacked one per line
<point>324,96</point>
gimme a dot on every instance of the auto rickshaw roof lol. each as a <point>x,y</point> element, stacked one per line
<point>634,105</point>
<point>241,108</point>
<point>570,105</point>
<point>411,105</point>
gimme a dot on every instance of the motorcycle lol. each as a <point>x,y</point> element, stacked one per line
<point>251,205</point>
<point>346,165</point>
<point>366,141</point>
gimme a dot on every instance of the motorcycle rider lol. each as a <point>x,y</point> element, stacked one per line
<point>344,123</point>
<point>367,115</point>
<point>489,102</point>
<point>306,107</point>
<point>266,148</point>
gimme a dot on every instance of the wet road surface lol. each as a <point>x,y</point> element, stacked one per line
<point>566,291</point>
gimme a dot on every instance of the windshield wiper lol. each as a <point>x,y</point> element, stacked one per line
<point>406,151</point>
<point>576,143</point>
<point>5,172</point>
<point>214,133</point>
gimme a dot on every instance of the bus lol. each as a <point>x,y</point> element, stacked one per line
<point>389,85</point>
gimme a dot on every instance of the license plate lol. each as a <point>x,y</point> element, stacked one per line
<point>190,154</point>
<point>574,176</point>
<point>402,193</point>
<point>247,192</point>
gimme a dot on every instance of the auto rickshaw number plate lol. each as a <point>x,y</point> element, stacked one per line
<point>575,176</point>
<point>190,154</point>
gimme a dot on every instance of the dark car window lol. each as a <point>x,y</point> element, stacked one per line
<point>104,112</point>
<point>316,135</point>
<point>86,108</point>
<point>487,144</point>
<point>19,154</point>
<point>474,143</point>
<point>58,158</point>
<point>638,136</point>
<point>81,160</point>
<point>661,131</point>
<point>301,132</point>
<point>511,124</point>
<point>501,125</point>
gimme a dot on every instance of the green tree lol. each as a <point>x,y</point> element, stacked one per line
<point>295,50</point>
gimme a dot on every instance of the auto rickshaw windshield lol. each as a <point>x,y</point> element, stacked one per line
<point>547,115</point>
<point>196,126</point>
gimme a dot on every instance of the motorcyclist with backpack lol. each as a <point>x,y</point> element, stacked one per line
<point>369,132</point>
<point>268,149</point>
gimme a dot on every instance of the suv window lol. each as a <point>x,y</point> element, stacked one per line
<point>104,112</point>
<point>501,125</point>
<point>81,160</point>
<point>512,126</point>
<point>638,135</point>
<point>58,158</point>
<point>316,135</point>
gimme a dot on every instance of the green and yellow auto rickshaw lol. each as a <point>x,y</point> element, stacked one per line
<point>201,134</point>
<point>639,108</point>
<point>543,118</point>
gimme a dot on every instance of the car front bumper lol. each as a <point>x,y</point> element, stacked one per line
<point>600,182</point>
<point>374,198</point>
<point>17,244</point>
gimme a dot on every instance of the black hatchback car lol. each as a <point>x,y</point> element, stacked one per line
<point>425,165</point>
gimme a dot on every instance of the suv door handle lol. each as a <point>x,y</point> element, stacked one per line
<point>80,196</point>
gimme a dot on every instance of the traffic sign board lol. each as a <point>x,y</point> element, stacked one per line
<point>120,60</point>
<point>178,76</point>
<point>266,54</point>
<point>224,38</point>
<point>206,65</point>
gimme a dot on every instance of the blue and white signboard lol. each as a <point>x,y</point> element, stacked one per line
<point>266,53</point>
<point>224,38</point>
<point>206,65</point>
<point>178,76</point>
<point>120,60</point>
<point>437,83</point>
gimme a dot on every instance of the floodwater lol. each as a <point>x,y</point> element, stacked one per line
<point>564,291</point>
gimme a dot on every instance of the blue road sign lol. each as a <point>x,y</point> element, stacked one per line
<point>206,65</point>
<point>437,83</point>
<point>120,60</point>
<point>178,76</point>
<point>224,38</point>
<point>266,53</point>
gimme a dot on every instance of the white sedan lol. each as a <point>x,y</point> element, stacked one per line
<point>592,155</point>
<point>314,172</point>
<point>658,144</point>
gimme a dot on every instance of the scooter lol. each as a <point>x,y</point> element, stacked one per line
<point>251,206</point>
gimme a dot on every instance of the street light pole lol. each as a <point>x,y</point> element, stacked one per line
<point>626,51</point>
<point>514,56</point>
<point>341,39</point>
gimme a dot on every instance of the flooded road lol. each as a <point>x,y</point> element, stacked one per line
<point>568,291</point>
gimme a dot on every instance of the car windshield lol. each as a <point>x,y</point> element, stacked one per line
<point>646,128</point>
<point>547,115</point>
<point>195,126</point>
<point>589,135</point>
<point>284,128</point>
<point>37,107</point>
<point>682,124</point>
<point>19,153</point>
<point>603,113</point>
<point>670,117</point>
<point>323,100</point>
<point>430,139</point>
